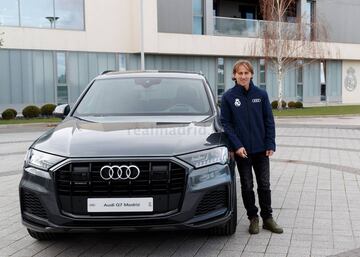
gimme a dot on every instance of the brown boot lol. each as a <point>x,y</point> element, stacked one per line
<point>271,225</point>
<point>254,225</point>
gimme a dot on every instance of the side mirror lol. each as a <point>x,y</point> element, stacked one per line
<point>61,111</point>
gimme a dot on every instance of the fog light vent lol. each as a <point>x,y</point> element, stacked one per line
<point>32,205</point>
<point>212,201</point>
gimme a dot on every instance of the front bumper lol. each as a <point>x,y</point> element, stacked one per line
<point>49,217</point>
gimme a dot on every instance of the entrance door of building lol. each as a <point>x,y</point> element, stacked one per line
<point>248,12</point>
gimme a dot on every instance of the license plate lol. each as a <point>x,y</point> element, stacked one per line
<point>144,204</point>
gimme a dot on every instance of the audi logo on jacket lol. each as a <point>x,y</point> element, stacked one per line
<point>247,119</point>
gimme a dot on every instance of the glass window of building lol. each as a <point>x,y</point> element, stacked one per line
<point>62,88</point>
<point>299,80</point>
<point>290,13</point>
<point>61,69</point>
<point>122,62</point>
<point>61,14</point>
<point>69,14</point>
<point>37,13</point>
<point>262,75</point>
<point>198,17</point>
<point>9,13</point>
<point>220,77</point>
<point>322,81</point>
<point>309,15</point>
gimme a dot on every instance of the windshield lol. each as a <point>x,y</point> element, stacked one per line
<point>145,96</point>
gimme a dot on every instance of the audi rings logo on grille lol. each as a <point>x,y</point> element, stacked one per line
<point>122,172</point>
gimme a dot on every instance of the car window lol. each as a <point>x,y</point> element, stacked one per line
<point>145,96</point>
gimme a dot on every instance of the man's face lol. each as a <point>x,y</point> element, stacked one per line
<point>243,76</point>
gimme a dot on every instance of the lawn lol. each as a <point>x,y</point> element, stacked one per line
<point>319,111</point>
<point>25,121</point>
<point>306,111</point>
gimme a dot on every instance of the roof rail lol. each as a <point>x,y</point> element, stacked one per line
<point>158,71</point>
<point>182,71</point>
<point>106,71</point>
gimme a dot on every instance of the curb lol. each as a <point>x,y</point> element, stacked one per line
<point>317,116</point>
<point>306,125</point>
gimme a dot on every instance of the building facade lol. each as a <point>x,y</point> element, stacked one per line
<point>53,48</point>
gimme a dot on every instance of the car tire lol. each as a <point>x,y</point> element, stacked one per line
<point>230,226</point>
<point>42,236</point>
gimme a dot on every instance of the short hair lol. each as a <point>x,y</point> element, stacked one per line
<point>244,63</point>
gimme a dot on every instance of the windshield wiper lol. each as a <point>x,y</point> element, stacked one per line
<point>172,122</point>
<point>207,118</point>
<point>79,118</point>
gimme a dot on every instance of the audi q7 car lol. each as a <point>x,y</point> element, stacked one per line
<point>138,150</point>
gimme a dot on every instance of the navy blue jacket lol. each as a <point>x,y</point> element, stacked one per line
<point>247,119</point>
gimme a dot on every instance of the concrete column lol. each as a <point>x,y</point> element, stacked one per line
<point>300,8</point>
<point>208,17</point>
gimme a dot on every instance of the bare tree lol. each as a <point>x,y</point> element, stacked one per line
<point>282,43</point>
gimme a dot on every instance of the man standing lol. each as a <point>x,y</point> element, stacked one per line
<point>247,119</point>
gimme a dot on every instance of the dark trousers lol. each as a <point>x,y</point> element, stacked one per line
<point>260,163</point>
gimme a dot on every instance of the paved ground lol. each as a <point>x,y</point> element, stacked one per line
<point>316,190</point>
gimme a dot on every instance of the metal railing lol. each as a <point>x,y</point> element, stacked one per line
<point>224,26</point>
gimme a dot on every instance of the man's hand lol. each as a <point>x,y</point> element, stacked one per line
<point>269,153</point>
<point>241,152</point>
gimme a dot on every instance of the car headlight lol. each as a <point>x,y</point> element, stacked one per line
<point>41,160</point>
<point>207,157</point>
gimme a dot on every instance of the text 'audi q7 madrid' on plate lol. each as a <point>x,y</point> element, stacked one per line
<point>140,150</point>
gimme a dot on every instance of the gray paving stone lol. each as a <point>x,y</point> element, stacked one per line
<point>323,244</point>
<point>303,251</point>
<point>274,255</point>
<point>342,233</point>
<point>315,251</point>
<point>53,250</point>
<point>226,253</point>
<point>206,253</point>
<point>320,238</point>
<point>254,241</point>
<point>277,249</point>
<point>303,231</point>
<point>322,231</point>
<point>255,249</point>
<point>301,237</point>
<point>234,247</point>
<point>317,205</point>
<point>300,244</point>
<point>247,254</point>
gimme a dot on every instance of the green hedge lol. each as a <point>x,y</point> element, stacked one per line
<point>274,104</point>
<point>31,111</point>
<point>47,109</point>
<point>299,105</point>
<point>291,104</point>
<point>9,114</point>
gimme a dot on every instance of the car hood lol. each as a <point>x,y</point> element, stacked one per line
<point>81,138</point>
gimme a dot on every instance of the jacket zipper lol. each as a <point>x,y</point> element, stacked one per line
<point>248,120</point>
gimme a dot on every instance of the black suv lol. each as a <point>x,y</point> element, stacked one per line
<point>138,150</point>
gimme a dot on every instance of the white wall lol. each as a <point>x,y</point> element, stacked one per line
<point>114,26</point>
<point>351,75</point>
<point>111,26</point>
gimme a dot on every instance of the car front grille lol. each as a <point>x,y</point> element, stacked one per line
<point>216,199</point>
<point>78,181</point>
<point>31,204</point>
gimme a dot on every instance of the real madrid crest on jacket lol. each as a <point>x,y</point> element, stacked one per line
<point>248,119</point>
